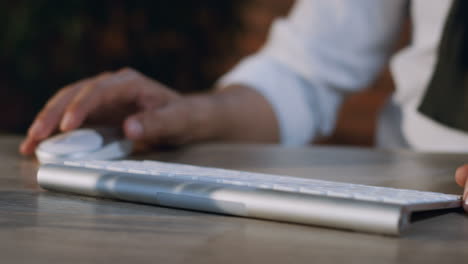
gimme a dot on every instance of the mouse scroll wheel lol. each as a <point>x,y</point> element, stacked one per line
<point>73,142</point>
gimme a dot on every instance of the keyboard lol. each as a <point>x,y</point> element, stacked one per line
<point>275,197</point>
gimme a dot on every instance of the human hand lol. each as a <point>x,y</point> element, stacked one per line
<point>461,177</point>
<point>147,110</point>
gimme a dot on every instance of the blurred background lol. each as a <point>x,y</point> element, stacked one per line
<point>187,45</point>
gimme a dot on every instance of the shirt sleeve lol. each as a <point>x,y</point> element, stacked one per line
<point>315,56</point>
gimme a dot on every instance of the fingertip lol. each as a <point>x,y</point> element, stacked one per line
<point>461,175</point>
<point>27,147</point>
<point>465,193</point>
<point>22,148</point>
<point>68,122</point>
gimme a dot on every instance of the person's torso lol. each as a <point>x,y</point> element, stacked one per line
<point>412,69</point>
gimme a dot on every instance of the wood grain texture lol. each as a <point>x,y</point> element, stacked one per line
<point>44,227</point>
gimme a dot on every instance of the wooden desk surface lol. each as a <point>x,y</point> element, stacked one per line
<point>43,227</point>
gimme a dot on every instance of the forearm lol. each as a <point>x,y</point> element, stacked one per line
<point>235,113</point>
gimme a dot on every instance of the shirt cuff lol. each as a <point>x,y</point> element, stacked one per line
<point>284,90</point>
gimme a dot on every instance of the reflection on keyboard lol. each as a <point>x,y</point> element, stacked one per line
<point>268,181</point>
<point>256,195</point>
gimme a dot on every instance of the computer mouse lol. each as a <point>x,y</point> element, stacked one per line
<point>84,144</point>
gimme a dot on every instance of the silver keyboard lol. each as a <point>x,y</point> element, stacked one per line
<point>230,189</point>
<point>268,181</point>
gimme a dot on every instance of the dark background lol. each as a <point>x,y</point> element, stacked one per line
<point>45,44</point>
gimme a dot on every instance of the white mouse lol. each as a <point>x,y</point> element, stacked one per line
<point>84,144</point>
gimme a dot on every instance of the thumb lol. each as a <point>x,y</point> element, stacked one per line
<point>169,123</point>
<point>461,177</point>
<point>465,197</point>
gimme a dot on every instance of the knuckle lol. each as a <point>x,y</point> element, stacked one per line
<point>103,75</point>
<point>65,89</point>
<point>76,108</point>
<point>79,102</point>
<point>126,70</point>
<point>128,74</point>
<point>88,88</point>
<point>73,108</point>
<point>124,75</point>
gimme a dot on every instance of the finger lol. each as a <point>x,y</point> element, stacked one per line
<point>28,146</point>
<point>88,94</point>
<point>465,197</point>
<point>130,85</point>
<point>169,123</point>
<point>123,87</point>
<point>48,118</point>
<point>461,175</point>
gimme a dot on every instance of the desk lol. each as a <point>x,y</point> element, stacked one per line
<point>43,227</point>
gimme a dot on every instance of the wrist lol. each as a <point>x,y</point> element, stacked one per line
<point>234,113</point>
<point>240,113</point>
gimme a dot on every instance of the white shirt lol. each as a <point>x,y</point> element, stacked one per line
<point>326,49</point>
